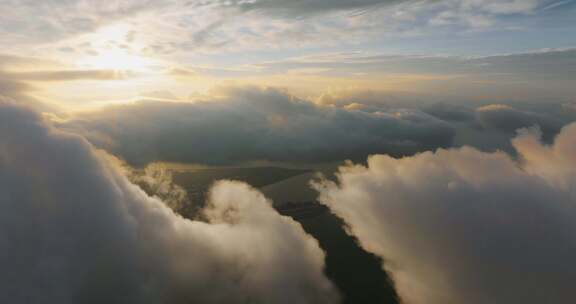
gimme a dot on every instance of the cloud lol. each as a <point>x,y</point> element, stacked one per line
<point>246,124</point>
<point>464,226</point>
<point>449,112</point>
<point>354,22</point>
<point>178,26</point>
<point>10,86</point>
<point>70,75</point>
<point>548,64</point>
<point>14,89</point>
<point>484,123</point>
<point>509,119</point>
<point>156,180</point>
<point>74,230</point>
<point>535,76</point>
<point>31,22</point>
<point>12,61</point>
<point>306,7</point>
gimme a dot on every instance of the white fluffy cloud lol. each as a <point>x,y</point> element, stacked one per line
<point>463,226</point>
<point>74,230</point>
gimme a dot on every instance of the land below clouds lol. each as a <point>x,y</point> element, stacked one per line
<point>357,274</point>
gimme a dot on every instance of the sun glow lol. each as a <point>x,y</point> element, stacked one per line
<point>116,60</point>
<point>114,48</point>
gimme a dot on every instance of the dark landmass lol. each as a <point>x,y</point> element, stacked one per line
<point>357,273</point>
<point>198,182</point>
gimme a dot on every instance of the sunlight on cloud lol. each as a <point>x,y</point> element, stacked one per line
<point>463,226</point>
<point>88,235</point>
<point>101,102</point>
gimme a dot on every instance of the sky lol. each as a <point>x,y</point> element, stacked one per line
<point>449,127</point>
<point>85,54</point>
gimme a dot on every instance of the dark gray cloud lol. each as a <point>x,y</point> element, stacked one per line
<point>246,124</point>
<point>509,119</point>
<point>449,112</point>
<point>256,124</point>
<point>491,126</point>
<point>483,124</point>
<point>75,230</point>
<point>306,7</point>
<point>463,226</point>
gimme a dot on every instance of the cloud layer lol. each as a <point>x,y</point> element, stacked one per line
<point>74,230</point>
<point>464,226</point>
<point>247,124</point>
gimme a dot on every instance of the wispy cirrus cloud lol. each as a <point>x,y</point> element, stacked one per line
<point>546,63</point>
<point>172,26</point>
